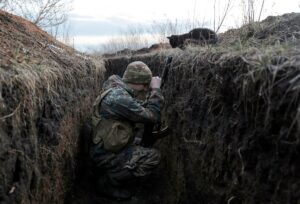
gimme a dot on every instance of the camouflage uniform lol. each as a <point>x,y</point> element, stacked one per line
<point>120,104</point>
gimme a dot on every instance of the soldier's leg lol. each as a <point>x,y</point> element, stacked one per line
<point>141,161</point>
<point>111,173</point>
<point>133,162</point>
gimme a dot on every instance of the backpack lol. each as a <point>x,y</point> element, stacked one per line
<point>114,134</point>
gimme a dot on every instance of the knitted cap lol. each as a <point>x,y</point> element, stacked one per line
<point>137,73</point>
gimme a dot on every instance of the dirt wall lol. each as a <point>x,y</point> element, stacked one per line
<point>40,124</point>
<point>234,117</point>
<point>46,92</point>
<point>235,121</point>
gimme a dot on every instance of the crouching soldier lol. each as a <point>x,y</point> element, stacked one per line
<point>116,112</point>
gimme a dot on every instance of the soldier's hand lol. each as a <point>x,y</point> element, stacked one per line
<point>155,82</point>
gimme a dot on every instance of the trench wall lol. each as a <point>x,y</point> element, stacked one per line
<point>43,106</point>
<point>235,122</point>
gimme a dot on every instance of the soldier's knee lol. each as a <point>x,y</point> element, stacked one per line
<point>154,157</point>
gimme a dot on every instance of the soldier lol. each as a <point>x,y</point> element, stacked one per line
<point>116,111</point>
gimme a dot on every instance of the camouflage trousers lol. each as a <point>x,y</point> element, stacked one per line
<point>133,161</point>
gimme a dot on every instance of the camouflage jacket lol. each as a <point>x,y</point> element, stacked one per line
<point>120,103</point>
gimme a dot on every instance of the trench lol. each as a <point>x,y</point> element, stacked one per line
<point>234,137</point>
<point>233,110</point>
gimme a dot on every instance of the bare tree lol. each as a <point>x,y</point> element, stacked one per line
<point>251,8</point>
<point>261,9</point>
<point>3,4</point>
<point>132,39</point>
<point>44,13</point>
<point>221,16</point>
<point>161,30</point>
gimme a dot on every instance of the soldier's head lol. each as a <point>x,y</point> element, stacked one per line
<point>138,77</point>
<point>137,73</point>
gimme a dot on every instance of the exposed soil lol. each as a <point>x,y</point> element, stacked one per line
<point>46,91</point>
<point>235,121</point>
<point>233,108</point>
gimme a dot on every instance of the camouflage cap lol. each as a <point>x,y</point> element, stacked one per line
<point>137,73</point>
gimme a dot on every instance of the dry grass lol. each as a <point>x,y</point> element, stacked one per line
<point>233,111</point>
<point>46,91</point>
<point>274,30</point>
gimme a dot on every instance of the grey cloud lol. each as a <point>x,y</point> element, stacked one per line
<point>78,16</point>
<point>94,27</point>
<point>87,25</point>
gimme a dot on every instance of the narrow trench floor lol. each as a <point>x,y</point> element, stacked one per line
<point>149,191</point>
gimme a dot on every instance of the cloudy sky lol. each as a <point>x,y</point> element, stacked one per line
<point>95,22</point>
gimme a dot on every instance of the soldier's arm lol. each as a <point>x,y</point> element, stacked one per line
<point>127,107</point>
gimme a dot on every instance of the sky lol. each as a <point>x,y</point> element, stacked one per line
<point>94,23</point>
